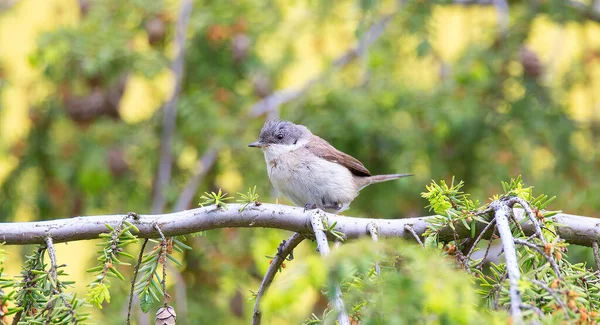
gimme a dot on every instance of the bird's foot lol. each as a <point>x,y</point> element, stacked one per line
<point>309,206</point>
<point>334,207</point>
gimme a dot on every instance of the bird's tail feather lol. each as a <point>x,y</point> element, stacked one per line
<point>381,178</point>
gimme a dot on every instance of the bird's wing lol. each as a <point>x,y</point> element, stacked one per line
<point>323,149</point>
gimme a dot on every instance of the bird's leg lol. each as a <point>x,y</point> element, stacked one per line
<point>336,206</point>
<point>332,206</point>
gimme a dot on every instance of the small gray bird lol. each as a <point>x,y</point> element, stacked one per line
<point>311,172</point>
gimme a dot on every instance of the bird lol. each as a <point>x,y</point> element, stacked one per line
<point>311,172</point>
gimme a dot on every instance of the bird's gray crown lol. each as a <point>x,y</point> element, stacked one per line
<point>281,132</point>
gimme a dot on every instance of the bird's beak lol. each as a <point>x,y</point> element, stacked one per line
<point>256,144</point>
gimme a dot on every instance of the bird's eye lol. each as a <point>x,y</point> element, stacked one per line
<point>280,136</point>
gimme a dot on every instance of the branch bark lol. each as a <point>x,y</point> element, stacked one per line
<point>578,230</point>
<point>502,212</point>
<point>323,246</point>
<point>279,258</point>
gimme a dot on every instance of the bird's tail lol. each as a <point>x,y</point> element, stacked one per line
<point>381,178</point>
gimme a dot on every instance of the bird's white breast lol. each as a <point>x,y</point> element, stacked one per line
<point>305,178</point>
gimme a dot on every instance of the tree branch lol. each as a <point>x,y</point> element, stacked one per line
<point>323,247</point>
<point>502,212</point>
<point>202,167</point>
<point>375,237</point>
<point>278,98</point>
<point>578,230</point>
<point>410,229</point>
<point>163,177</point>
<point>596,256</point>
<point>549,258</point>
<point>285,249</point>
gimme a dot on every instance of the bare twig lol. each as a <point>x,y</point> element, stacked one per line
<point>52,254</point>
<point>163,259</point>
<point>54,279</point>
<point>372,228</point>
<point>135,274</point>
<point>278,98</point>
<point>538,230</point>
<point>323,247</point>
<point>596,256</point>
<point>554,294</point>
<point>549,258</point>
<point>487,249</point>
<point>204,164</point>
<point>536,310</point>
<point>478,239</point>
<point>591,12</point>
<point>285,249</point>
<point>502,212</point>
<point>163,177</point>
<point>502,13</point>
<point>410,229</point>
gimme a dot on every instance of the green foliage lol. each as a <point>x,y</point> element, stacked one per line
<point>82,55</point>
<point>548,296</point>
<point>415,286</point>
<point>148,285</point>
<point>40,298</point>
<point>249,198</point>
<point>112,249</point>
<point>475,110</point>
<point>217,199</point>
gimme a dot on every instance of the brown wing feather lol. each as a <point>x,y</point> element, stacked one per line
<point>326,151</point>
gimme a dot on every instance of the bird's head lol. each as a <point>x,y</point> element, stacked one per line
<point>280,136</point>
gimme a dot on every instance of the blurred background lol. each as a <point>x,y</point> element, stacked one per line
<point>467,88</point>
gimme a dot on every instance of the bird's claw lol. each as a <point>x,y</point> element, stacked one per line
<point>309,206</point>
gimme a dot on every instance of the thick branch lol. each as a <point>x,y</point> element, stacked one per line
<point>285,249</point>
<point>574,229</point>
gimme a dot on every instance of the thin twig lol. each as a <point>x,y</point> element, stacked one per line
<point>54,276</point>
<point>487,250</point>
<point>52,254</point>
<point>163,260</point>
<point>554,294</point>
<point>282,252</point>
<point>323,247</point>
<point>203,165</point>
<point>163,177</point>
<point>549,258</point>
<point>535,309</point>
<point>135,274</point>
<point>278,98</point>
<point>478,239</point>
<point>538,230</point>
<point>503,17</point>
<point>410,229</point>
<point>596,256</point>
<point>502,212</point>
<point>372,228</point>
